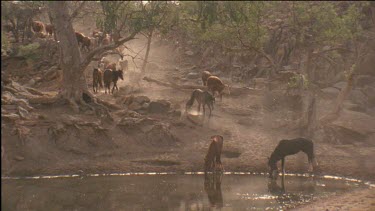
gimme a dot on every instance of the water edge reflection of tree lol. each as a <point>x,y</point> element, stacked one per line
<point>212,186</point>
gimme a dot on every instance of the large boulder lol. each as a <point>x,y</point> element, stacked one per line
<point>331,91</point>
<point>369,91</point>
<point>340,85</point>
<point>357,96</point>
<point>193,75</point>
<point>148,131</point>
<point>352,126</point>
<point>141,99</point>
<point>363,80</point>
<point>135,106</point>
<point>159,106</point>
<point>189,53</point>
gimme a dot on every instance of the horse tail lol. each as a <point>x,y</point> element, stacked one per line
<point>191,101</point>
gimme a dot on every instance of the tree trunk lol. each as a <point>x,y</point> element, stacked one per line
<point>74,82</point>
<point>143,70</point>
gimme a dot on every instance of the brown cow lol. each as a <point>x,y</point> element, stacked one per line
<point>111,66</point>
<point>214,84</point>
<point>97,79</point>
<point>50,29</point>
<point>205,76</point>
<point>80,37</point>
<point>86,43</point>
<point>214,154</point>
<point>37,26</point>
<point>106,40</point>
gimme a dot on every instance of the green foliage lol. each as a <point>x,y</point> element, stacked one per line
<point>297,81</point>
<point>4,41</point>
<point>29,51</point>
<point>321,23</point>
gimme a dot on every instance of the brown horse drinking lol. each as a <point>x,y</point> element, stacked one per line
<point>214,154</point>
<point>290,147</point>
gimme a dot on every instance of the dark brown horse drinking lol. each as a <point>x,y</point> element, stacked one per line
<point>290,147</point>
<point>112,76</point>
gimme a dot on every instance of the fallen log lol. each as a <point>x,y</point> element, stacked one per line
<point>235,91</point>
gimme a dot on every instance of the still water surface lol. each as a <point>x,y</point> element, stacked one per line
<point>168,192</point>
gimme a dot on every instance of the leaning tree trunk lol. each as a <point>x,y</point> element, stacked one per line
<point>149,38</point>
<point>74,82</point>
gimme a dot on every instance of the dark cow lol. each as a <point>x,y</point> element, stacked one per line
<point>111,76</point>
<point>50,29</point>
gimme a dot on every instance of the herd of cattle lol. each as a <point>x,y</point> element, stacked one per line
<point>44,30</point>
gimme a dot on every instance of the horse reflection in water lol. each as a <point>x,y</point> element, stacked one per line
<point>287,199</point>
<point>212,186</point>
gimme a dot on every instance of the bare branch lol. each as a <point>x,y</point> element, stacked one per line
<point>256,50</point>
<point>76,11</point>
<point>104,48</point>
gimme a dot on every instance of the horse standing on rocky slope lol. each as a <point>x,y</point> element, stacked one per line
<point>97,80</point>
<point>203,98</point>
<point>290,147</point>
<point>112,76</point>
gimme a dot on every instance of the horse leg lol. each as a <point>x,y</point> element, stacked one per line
<point>204,110</point>
<point>113,88</point>
<point>199,107</point>
<point>283,165</point>
<point>209,107</point>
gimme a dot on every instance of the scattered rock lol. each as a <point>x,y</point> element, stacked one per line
<point>353,107</point>
<point>10,117</point>
<point>356,121</point>
<point>369,91</point>
<point>362,80</point>
<point>331,91</point>
<point>340,85</point>
<point>134,106</point>
<point>189,53</point>
<point>141,99</point>
<point>31,82</point>
<point>19,158</point>
<point>357,96</point>
<point>193,75</point>
<point>159,106</point>
<point>175,113</point>
<point>145,106</point>
<point>246,122</point>
<point>22,112</point>
<point>159,135</point>
<point>153,66</point>
<point>339,77</point>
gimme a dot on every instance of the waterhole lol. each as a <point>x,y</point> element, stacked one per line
<point>168,191</point>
